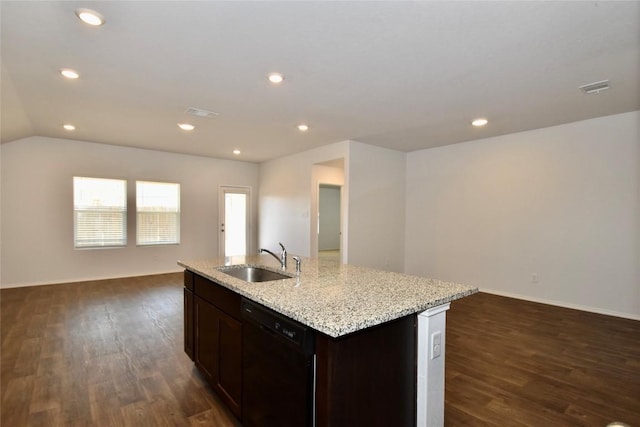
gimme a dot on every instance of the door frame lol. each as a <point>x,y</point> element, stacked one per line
<point>238,189</point>
<point>314,219</point>
<point>339,188</point>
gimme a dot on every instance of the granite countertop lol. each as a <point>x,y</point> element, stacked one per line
<point>335,299</point>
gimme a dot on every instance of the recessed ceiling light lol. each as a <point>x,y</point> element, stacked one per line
<point>69,127</point>
<point>69,73</point>
<point>236,152</point>
<point>276,78</point>
<point>479,122</point>
<point>186,126</point>
<point>303,128</point>
<point>90,17</point>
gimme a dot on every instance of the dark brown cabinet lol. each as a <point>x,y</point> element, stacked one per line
<point>217,339</point>
<point>218,351</point>
<point>188,313</point>
<point>368,378</point>
<point>364,378</point>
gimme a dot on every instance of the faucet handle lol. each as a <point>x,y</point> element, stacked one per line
<point>283,257</point>
<point>298,261</point>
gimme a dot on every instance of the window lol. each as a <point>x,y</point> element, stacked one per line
<point>100,212</point>
<point>158,206</point>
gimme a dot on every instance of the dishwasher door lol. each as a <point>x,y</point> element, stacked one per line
<point>278,369</point>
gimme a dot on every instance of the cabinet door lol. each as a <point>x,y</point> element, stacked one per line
<point>218,352</point>
<point>188,323</point>
<point>229,381</point>
<point>368,378</point>
<point>205,322</point>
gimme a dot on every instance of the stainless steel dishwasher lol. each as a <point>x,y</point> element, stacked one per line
<point>278,369</point>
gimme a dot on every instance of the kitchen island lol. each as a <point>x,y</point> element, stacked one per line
<point>378,344</point>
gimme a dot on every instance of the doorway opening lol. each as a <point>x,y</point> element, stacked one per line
<point>329,223</point>
<point>234,221</point>
<point>329,201</point>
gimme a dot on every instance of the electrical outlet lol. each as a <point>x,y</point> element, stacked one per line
<point>436,344</point>
<point>534,278</point>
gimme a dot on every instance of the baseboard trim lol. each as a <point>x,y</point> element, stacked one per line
<point>85,279</point>
<point>630,316</point>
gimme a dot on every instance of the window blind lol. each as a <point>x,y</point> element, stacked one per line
<point>100,212</point>
<point>158,213</point>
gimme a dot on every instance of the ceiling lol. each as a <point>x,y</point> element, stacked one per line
<point>402,75</point>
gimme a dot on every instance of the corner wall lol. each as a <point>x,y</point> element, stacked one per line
<point>550,215</point>
<point>37,209</point>
<point>376,207</point>
<point>373,196</point>
<point>287,194</point>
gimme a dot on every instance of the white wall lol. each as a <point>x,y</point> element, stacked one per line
<point>286,197</point>
<point>562,203</point>
<point>376,207</point>
<point>37,208</point>
<point>373,203</point>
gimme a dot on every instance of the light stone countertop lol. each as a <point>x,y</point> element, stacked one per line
<point>335,299</point>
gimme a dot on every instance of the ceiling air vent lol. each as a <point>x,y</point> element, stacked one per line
<point>595,87</point>
<point>198,112</point>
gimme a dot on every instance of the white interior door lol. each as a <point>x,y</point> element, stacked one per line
<point>234,221</point>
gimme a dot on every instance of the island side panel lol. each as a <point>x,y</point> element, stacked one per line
<point>368,377</point>
<point>431,366</point>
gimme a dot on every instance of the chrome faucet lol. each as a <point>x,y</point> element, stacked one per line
<point>282,259</point>
<point>298,261</point>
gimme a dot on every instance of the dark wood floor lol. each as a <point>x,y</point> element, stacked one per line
<point>109,353</point>
<point>517,363</point>
<point>104,353</point>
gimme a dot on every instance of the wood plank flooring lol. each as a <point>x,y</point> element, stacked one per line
<point>109,353</point>
<point>518,363</point>
<point>104,353</point>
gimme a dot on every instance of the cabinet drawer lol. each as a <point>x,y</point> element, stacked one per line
<point>226,300</point>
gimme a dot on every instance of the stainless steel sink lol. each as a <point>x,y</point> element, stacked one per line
<point>253,274</point>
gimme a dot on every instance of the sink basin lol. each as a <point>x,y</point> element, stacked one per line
<point>253,274</point>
